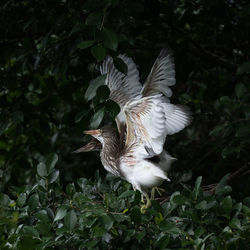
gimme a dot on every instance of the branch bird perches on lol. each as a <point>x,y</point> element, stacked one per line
<point>145,119</point>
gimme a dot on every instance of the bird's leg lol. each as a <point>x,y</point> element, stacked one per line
<point>153,193</point>
<point>147,205</point>
<point>142,199</point>
<point>159,190</point>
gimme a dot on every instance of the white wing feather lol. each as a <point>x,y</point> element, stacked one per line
<point>161,76</point>
<point>123,88</point>
<point>150,120</point>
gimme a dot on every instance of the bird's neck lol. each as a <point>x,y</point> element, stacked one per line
<point>110,155</point>
<point>111,147</point>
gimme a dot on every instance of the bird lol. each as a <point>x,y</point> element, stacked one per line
<point>135,150</point>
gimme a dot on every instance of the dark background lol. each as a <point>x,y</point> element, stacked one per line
<point>51,50</point>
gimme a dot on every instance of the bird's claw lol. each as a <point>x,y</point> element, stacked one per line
<point>145,206</point>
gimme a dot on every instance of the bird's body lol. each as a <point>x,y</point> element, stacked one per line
<point>146,118</point>
<point>142,173</point>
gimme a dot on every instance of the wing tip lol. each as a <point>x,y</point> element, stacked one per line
<point>166,51</point>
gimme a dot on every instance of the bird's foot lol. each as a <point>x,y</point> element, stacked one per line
<point>159,190</point>
<point>146,206</point>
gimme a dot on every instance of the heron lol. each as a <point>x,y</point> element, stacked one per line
<point>135,150</point>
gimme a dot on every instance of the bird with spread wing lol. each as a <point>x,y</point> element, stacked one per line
<point>146,117</point>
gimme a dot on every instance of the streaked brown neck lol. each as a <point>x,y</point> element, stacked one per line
<point>110,154</point>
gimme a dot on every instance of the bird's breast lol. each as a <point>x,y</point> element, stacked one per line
<point>143,173</point>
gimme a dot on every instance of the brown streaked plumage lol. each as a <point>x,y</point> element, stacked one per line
<point>146,118</point>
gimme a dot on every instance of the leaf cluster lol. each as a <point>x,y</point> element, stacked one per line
<point>105,214</point>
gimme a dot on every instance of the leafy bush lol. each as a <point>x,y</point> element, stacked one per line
<point>105,214</point>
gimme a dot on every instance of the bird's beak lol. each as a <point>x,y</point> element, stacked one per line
<point>93,145</point>
<point>85,148</point>
<point>92,132</point>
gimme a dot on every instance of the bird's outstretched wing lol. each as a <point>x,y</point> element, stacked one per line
<point>149,120</point>
<point>123,88</point>
<point>161,76</point>
<point>146,110</point>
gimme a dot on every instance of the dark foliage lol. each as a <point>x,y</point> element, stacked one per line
<point>51,91</point>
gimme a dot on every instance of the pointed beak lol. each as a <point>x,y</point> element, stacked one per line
<point>82,149</point>
<point>92,132</point>
<point>93,145</point>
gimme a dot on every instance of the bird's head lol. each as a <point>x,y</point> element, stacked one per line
<point>103,134</point>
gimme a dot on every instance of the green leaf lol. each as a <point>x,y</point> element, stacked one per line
<point>43,228</point>
<point>221,187</point>
<point>42,216</point>
<point>51,162</point>
<point>53,176</point>
<point>201,205</point>
<point>180,199</point>
<point>112,108</point>
<point>33,201</point>
<point>235,223</point>
<point>125,194</point>
<point>231,149</point>
<point>227,205</point>
<point>140,235</point>
<point>217,130</point>
<point>97,119</point>
<point>94,19</point>
<point>199,231</point>
<point>242,131</point>
<point>225,100</point>
<point>107,222</point>
<point>99,231</point>
<point>21,199</point>
<point>80,115</point>
<point>42,169</point>
<point>240,90</point>
<point>93,86</point>
<point>50,213</point>
<point>70,220</point>
<point>90,244</point>
<point>223,190</point>
<point>3,126</point>
<point>60,213</point>
<point>103,93</point>
<point>4,199</point>
<point>197,187</point>
<point>169,227</point>
<point>136,215</point>
<point>121,65</point>
<point>29,230</point>
<point>99,52</point>
<point>85,44</point>
<point>244,68</point>
<point>110,39</point>
<point>163,241</point>
<point>246,201</point>
<point>82,182</point>
<point>70,189</point>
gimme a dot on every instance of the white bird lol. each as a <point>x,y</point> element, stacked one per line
<point>146,117</point>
